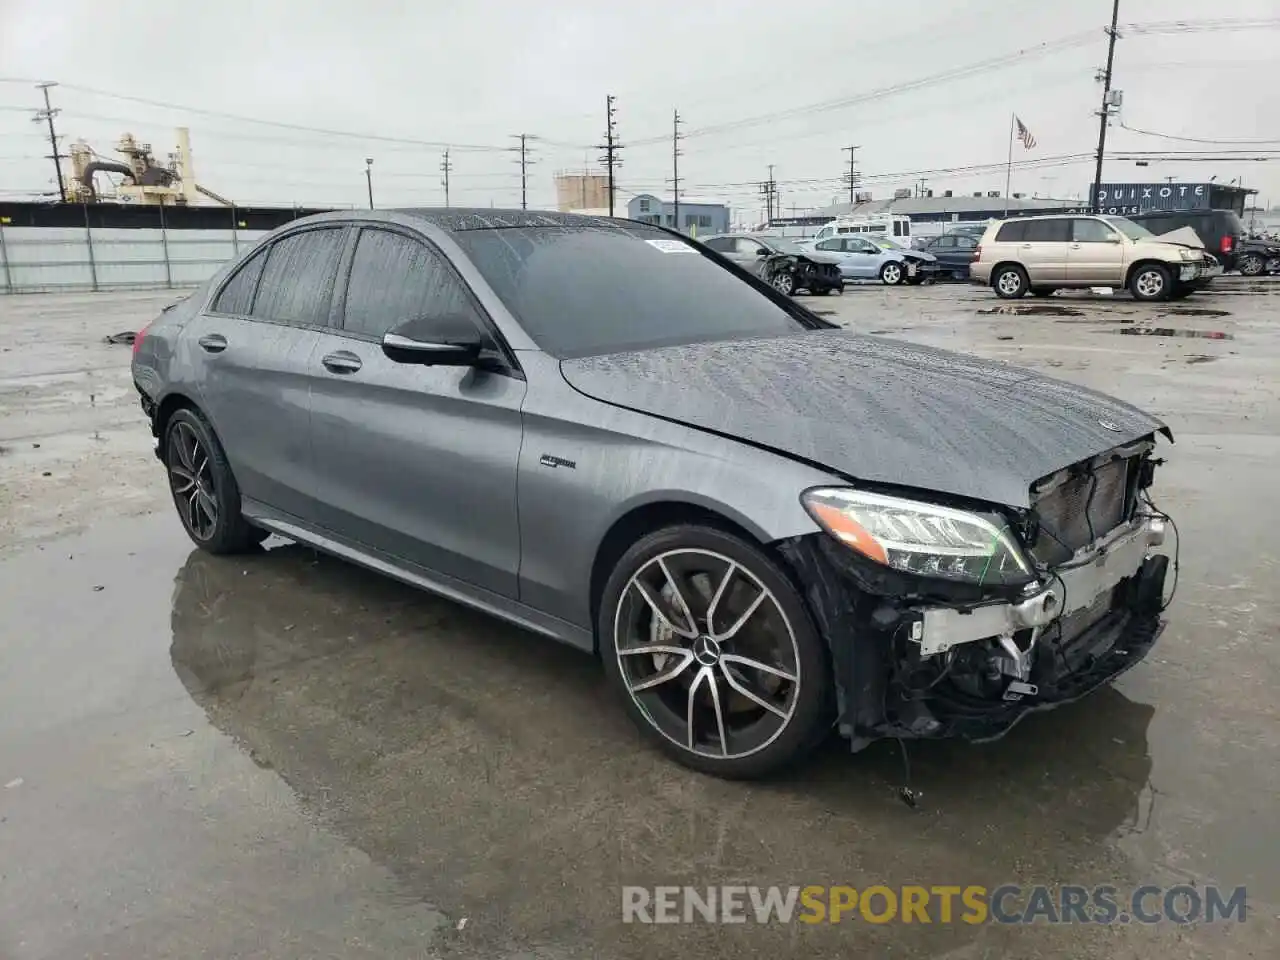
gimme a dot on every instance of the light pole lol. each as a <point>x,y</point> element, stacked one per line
<point>368,178</point>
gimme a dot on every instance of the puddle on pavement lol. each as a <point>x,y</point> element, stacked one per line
<point>1032,310</point>
<point>1200,358</point>
<point>1173,332</point>
<point>1194,312</point>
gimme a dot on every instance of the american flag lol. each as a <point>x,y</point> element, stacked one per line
<point>1024,134</point>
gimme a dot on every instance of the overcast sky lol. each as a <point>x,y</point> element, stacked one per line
<point>473,73</point>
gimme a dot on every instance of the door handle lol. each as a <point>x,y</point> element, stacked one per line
<point>342,361</point>
<point>1026,246</point>
<point>1075,246</point>
<point>212,343</point>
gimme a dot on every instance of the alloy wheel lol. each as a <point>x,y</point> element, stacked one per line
<point>1009,282</point>
<point>191,480</point>
<point>1149,284</point>
<point>892,273</point>
<point>707,653</point>
<point>1251,265</point>
<point>784,283</point>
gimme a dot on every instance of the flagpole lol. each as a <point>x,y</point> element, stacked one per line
<point>1008,168</point>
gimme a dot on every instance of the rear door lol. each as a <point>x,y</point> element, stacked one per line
<point>834,247</point>
<point>251,351</point>
<point>416,462</point>
<point>1044,250</point>
<point>1097,254</point>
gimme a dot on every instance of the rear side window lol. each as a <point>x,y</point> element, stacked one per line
<point>1048,231</point>
<point>966,243</point>
<point>237,296</point>
<point>1014,232</point>
<point>394,279</point>
<point>298,278</point>
<point>944,242</point>
<point>1090,231</point>
<point>721,244</point>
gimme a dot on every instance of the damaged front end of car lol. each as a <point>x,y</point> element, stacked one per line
<point>948,618</point>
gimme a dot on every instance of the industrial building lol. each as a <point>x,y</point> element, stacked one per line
<point>698,217</point>
<point>934,213</point>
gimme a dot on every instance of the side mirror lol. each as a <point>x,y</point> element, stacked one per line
<point>1114,238</point>
<point>434,341</point>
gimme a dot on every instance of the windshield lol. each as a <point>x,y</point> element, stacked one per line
<point>886,243</point>
<point>581,291</point>
<point>1134,231</point>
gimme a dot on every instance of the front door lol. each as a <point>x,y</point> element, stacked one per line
<point>1096,255</point>
<point>416,462</point>
<point>862,257</point>
<point>750,255</point>
<point>250,352</point>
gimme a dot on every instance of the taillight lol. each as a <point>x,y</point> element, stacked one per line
<point>977,253</point>
<point>1226,244</point>
<point>137,339</point>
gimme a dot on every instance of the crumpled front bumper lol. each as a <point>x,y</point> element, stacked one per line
<point>872,628</point>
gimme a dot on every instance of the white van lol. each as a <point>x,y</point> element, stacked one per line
<point>897,227</point>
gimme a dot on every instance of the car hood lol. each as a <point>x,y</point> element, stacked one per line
<point>873,409</point>
<point>815,256</point>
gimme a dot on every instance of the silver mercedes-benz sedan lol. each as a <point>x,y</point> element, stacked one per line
<point>763,525</point>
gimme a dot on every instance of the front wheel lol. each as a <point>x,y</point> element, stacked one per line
<point>784,283</point>
<point>892,273</point>
<point>1251,264</point>
<point>203,487</point>
<point>714,653</point>
<point>1151,282</point>
<point>1010,282</point>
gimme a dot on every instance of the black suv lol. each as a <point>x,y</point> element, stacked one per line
<point>1221,231</point>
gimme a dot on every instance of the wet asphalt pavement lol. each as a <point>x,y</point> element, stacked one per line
<point>284,756</point>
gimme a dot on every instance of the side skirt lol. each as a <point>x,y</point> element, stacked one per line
<point>504,608</point>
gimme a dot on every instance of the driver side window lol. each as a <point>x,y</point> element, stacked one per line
<point>828,245</point>
<point>395,278</point>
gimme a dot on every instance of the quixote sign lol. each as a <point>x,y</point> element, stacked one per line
<point>1125,198</point>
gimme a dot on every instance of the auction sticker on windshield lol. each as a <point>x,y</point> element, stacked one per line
<point>671,246</point>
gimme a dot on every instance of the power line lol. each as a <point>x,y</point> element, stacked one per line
<point>1169,136</point>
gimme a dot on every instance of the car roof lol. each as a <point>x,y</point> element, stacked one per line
<point>462,219</point>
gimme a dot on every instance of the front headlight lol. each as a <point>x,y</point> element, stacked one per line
<point>920,538</point>
<point>1190,255</point>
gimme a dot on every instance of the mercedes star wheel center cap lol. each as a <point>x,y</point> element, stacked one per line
<point>706,651</point>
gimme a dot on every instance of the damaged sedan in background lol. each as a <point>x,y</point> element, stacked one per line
<point>763,525</point>
<point>783,264</point>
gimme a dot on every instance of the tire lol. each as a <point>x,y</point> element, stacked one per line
<point>1043,291</point>
<point>760,738</point>
<point>1251,265</point>
<point>204,489</point>
<point>784,283</point>
<point>1010,282</point>
<point>892,273</point>
<point>1151,282</point>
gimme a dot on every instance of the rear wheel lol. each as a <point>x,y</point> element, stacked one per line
<point>1251,264</point>
<point>203,487</point>
<point>1010,282</point>
<point>892,273</point>
<point>714,653</point>
<point>1151,281</point>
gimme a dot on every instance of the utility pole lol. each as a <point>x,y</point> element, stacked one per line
<point>47,114</point>
<point>770,190</point>
<point>1105,112</point>
<point>524,169</point>
<point>851,178</point>
<point>445,166</point>
<point>611,146</point>
<point>368,176</point>
<point>675,167</point>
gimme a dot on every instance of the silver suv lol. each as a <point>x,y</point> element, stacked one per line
<point>1044,254</point>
